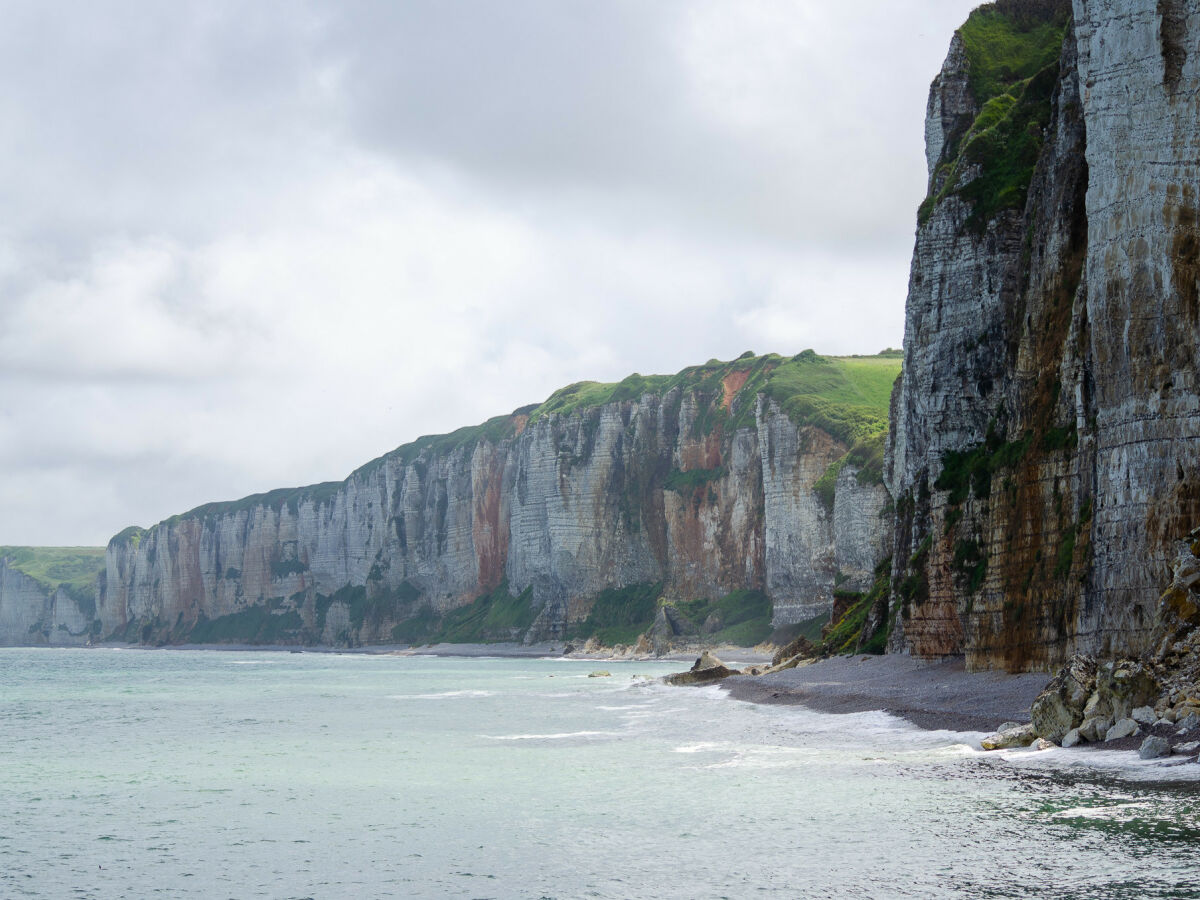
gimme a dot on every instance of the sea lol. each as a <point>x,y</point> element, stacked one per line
<point>175,773</point>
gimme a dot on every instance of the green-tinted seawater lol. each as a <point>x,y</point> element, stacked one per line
<point>223,774</point>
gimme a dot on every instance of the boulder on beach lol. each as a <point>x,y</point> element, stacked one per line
<point>1084,692</point>
<point>1094,728</point>
<point>1154,747</point>
<point>1144,715</point>
<point>1122,729</point>
<point>1059,707</point>
<point>1188,722</point>
<point>706,670</point>
<point>1021,736</point>
<point>1124,685</point>
<point>799,647</point>
<point>643,646</point>
<point>600,673</point>
<point>1071,738</point>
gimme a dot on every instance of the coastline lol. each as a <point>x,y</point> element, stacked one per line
<point>936,696</point>
<point>737,656</point>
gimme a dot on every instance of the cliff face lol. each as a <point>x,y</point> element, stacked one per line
<point>697,489</point>
<point>47,611</point>
<point>1046,429</point>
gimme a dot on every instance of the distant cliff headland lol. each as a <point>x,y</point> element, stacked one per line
<point>725,501</point>
<point>1018,497</point>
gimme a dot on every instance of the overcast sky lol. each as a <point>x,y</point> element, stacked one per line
<point>253,245</point>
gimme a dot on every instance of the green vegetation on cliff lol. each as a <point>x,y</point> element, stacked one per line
<point>1012,50</point>
<point>494,616</point>
<point>846,396</point>
<point>1010,41</point>
<point>74,569</point>
<point>620,616</point>
<point>255,625</point>
<point>856,631</point>
<point>741,618</point>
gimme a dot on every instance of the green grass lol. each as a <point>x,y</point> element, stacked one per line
<point>1012,52</point>
<point>620,615</point>
<point>685,482</point>
<point>745,616</point>
<point>847,634</point>
<point>417,629</point>
<point>826,486</point>
<point>131,535</point>
<point>846,396</point>
<point>970,562</point>
<point>73,568</point>
<point>970,471</point>
<point>253,625</point>
<point>866,456</point>
<point>1008,42</point>
<point>494,616</point>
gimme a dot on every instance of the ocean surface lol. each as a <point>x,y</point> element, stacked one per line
<point>243,774</point>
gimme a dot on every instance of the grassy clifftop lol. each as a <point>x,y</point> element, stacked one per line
<point>847,396</point>
<point>73,568</point>
<point>1012,49</point>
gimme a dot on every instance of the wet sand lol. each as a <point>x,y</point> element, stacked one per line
<point>931,695</point>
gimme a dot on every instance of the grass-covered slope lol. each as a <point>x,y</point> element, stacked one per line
<point>1012,49</point>
<point>621,615</point>
<point>847,396</point>
<point>52,567</point>
<point>74,569</point>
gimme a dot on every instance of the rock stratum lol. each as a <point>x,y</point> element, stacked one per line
<point>1046,431</point>
<point>743,492</point>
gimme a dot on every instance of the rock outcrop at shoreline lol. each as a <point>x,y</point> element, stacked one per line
<point>1091,701</point>
<point>706,670</point>
<point>1046,431</point>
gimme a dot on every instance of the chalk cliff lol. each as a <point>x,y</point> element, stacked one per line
<point>1046,431</point>
<point>48,595</point>
<point>689,486</point>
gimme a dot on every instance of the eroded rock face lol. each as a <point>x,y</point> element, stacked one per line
<point>706,670</point>
<point>1143,296</point>
<point>861,529</point>
<point>32,614</point>
<point>1018,736</point>
<point>568,506</point>
<point>1060,707</point>
<point>1046,431</point>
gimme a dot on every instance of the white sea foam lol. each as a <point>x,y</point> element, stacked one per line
<point>551,737</point>
<point>442,695</point>
<point>703,747</point>
<point>1124,764</point>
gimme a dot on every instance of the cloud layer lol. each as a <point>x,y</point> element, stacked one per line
<point>254,245</point>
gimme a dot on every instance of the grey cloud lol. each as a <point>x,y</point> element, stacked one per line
<point>246,245</point>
